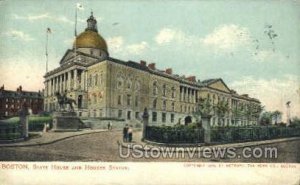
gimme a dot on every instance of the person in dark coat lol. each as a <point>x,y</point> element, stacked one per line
<point>129,132</point>
<point>125,133</point>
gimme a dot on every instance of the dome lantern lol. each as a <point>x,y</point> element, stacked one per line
<point>91,23</point>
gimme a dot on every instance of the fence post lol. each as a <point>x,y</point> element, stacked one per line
<point>145,123</point>
<point>207,129</point>
<point>23,114</point>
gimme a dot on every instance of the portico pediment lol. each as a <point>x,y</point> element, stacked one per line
<point>219,85</point>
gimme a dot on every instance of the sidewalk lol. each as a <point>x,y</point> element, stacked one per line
<point>50,137</point>
<point>138,136</point>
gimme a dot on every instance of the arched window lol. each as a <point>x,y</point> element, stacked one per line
<point>173,92</point>
<point>164,104</point>
<point>173,106</point>
<point>137,86</point>
<point>100,78</point>
<point>164,90</point>
<point>96,79</point>
<point>129,84</point>
<point>155,88</point>
<point>154,103</point>
<point>120,83</point>
<point>90,81</point>
<point>119,99</point>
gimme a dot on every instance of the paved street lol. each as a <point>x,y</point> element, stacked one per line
<point>102,146</point>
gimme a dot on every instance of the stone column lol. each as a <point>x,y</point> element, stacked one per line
<point>75,79</point>
<point>56,86</point>
<point>59,83</point>
<point>52,86</point>
<point>206,127</point>
<point>69,80</point>
<point>24,114</point>
<point>65,84</point>
<point>83,80</point>
<point>145,123</point>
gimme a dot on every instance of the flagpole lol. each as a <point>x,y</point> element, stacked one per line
<point>47,50</point>
<point>75,33</point>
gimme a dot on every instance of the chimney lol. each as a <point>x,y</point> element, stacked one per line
<point>152,66</point>
<point>245,95</point>
<point>2,87</point>
<point>169,71</point>
<point>20,87</point>
<point>143,63</point>
<point>191,78</point>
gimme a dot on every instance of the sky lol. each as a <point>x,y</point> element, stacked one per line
<point>254,45</point>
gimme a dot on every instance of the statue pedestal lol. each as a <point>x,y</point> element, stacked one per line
<point>206,127</point>
<point>66,121</point>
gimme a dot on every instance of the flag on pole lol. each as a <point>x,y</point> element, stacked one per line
<point>49,30</point>
<point>79,6</point>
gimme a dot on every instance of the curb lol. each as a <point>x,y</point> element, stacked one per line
<point>238,145</point>
<point>49,142</point>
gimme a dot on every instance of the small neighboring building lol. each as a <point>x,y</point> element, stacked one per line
<point>12,101</point>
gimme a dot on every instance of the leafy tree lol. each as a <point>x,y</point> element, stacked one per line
<point>276,114</point>
<point>203,108</point>
<point>221,108</point>
<point>266,118</point>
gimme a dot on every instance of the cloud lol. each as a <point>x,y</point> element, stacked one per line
<point>69,41</point>
<point>167,35</point>
<point>32,17</point>
<point>137,48</point>
<point>272,93</point>
<point>56,18</point>
<point>227,38</point>
<point>117,46</point>
<point>16,34</point>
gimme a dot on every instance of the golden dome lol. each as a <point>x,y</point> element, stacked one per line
<point>90,39</point>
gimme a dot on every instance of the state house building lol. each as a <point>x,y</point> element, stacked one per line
<point>112,89</point>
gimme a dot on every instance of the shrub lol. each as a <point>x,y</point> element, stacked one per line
<point>10,136</point>
<point>36,123</point>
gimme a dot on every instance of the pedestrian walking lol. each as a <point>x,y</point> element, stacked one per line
<point>130,130</point>
<point>110,126</point>
<point>125,133</point>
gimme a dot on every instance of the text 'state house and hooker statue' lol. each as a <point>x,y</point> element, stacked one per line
<point>118,91</point>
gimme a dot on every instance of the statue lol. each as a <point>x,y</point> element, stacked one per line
<point>63,100</point>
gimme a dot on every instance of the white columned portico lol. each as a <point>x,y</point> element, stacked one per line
<point>69,81</point>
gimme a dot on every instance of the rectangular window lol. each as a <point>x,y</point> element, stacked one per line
<point>154,116</point>
<point>119,100</point>
<point>163,117</point>
<point>164,105</point>
<point>129,115</point>
<point>119,113</point>
<point>136,101</point>
<point>128,100</point>
<point>172,118</point>
<point>137,115</point>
